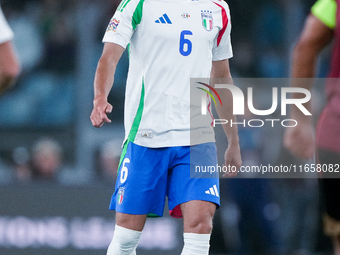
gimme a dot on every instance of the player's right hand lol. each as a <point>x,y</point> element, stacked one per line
<point>99,113</point>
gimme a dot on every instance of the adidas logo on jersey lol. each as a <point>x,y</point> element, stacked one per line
<point>213,191</point>
<point>164,19</point>
<point>146,134</point>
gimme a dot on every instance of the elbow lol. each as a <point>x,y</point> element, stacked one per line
<point>299,48</point>
<point>220,69</point>
<point>220,73</point>
<point>306,47</point>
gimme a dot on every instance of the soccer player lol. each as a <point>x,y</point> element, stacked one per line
<point>169,42</point>
<point>9,65</point>
<point>322,25</point>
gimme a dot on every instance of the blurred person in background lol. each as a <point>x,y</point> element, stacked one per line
<point>46,160</point>
<point>45,34</point>
<point>322,25</point>
<point>22,170</point>
<point>9,65</point>
<point>108,160</point>
<point>58,31</point>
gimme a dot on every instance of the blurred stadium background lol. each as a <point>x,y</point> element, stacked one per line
<point>57,171</point>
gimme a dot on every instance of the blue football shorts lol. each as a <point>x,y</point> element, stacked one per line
<point>146,176</point>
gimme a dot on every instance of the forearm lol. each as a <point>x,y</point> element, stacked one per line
<point>220,75</point>
<point>103,82</point>
<point>225,111</point>
<point>106,68</point>
<point>9,66</point>
<point>104,78</point>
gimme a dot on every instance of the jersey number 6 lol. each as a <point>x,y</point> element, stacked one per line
<point>124,171</point>
<point>185,45</point>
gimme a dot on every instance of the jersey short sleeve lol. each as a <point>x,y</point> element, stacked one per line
<point>222,44</point>
<point>325,11</point>
<point>124,22</point>
<point>6,33</point>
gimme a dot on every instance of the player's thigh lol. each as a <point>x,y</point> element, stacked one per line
<point>141,181</point>
<point>182,187</point>
<point>130,221</point>
<point>198,216</point>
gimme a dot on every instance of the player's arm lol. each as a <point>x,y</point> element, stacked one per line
<point>9,66</point>
<point>220,74</point>
<point>315,36</point>
<point>103,83</point>
<point>116,39</point>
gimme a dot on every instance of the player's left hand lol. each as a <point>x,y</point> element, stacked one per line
<point>233,160</point>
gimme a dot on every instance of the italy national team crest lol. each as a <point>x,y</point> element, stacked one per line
<point>120,195</point>
<point>207,20</point>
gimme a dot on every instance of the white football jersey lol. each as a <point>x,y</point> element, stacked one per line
<point>170,41</point>
<point>6,33</point>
